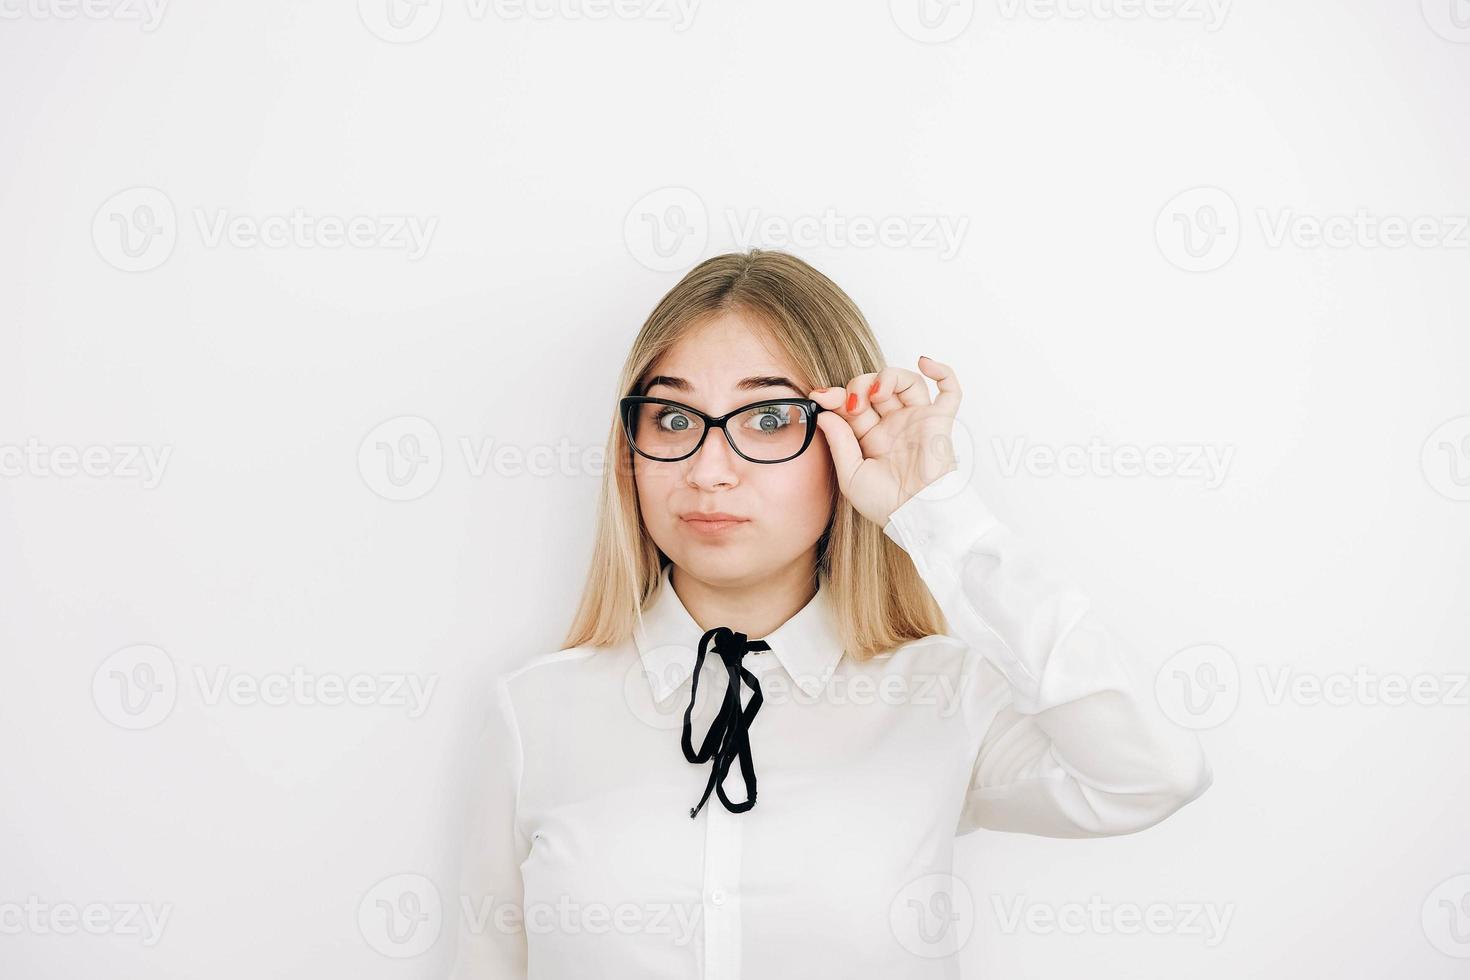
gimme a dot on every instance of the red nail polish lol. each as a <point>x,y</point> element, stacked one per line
<point>852,402</point>
<point>873,390</point>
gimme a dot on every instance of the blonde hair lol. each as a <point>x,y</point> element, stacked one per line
<point>878,596</point>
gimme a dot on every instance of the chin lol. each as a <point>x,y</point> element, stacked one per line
<point>721,570</point>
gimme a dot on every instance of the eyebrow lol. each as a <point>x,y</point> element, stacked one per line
<point>744,384</point>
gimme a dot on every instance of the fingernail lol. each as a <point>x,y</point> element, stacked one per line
<point>852,401</point>
<point>873,390</point>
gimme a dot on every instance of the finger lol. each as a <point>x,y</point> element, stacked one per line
<point>857,409</point>
<point>831,399</point>
<point>909,388</point>
<point>944,377</point>
<point>881,394</point>
<point>842,442</point>
<point>851,403</point>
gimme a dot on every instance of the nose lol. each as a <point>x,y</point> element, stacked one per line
<point>716,462</point>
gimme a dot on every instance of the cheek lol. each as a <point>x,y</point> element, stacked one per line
<point>799,494</point>
<point>647,485</point>
<point>655,483</point>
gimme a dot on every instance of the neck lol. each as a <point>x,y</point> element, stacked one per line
<point>754,606</point>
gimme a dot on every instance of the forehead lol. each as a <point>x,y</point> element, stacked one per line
<point>730,354</point>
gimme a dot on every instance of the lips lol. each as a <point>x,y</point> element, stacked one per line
<point>714,522</point>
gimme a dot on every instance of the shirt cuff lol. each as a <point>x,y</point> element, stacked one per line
<point>944,528</point>
<point>941,521</point>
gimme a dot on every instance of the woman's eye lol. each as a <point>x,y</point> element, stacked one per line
<point>770,419</point>
<point>677,420</point>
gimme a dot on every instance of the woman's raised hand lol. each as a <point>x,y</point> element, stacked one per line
<point>887,438</point>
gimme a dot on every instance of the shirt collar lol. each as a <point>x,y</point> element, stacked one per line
<point>667,637</point>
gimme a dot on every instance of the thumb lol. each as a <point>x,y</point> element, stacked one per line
<point>847,455</point>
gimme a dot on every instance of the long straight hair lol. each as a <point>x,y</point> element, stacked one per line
<point>877,594</point>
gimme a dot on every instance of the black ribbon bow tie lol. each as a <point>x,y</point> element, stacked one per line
<point>728,734</point>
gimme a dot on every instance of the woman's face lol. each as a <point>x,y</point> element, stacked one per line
<point>723,365</point>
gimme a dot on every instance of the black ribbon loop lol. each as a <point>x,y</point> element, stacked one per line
<point>728,736</point>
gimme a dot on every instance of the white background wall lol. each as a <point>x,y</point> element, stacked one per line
<point>1117,188</point>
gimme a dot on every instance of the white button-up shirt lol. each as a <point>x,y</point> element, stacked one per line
<point>1028,716</point>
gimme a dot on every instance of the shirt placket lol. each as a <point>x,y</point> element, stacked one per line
<point>721,888</point>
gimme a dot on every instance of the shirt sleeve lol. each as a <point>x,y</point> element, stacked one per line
<point>1078,746</point>
<point>489,904</point>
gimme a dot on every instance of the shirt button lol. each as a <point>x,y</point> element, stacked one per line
<point>717,897</point>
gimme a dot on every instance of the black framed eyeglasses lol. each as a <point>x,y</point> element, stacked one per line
<point>771,431</point>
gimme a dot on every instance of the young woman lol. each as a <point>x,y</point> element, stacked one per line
<point>807,657</point>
